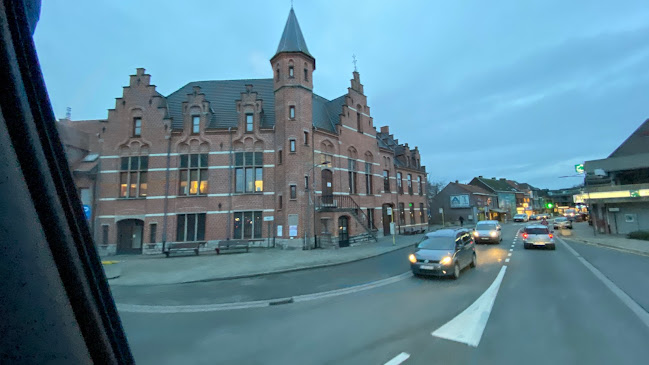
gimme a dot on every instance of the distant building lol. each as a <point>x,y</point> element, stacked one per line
<point>509,198</point>
<point>617,188</point>
<point>263,160</point>
<point>473,203</point>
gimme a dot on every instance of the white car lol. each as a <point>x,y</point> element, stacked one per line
<point>521,218</point>
<point>487,232</point>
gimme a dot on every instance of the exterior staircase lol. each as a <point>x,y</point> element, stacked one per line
<point>345,203</point>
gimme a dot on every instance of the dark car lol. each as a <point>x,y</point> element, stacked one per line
<point>444,253</point>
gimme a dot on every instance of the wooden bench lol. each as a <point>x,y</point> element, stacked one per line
<point>171,247</point>
<point>232,245</point>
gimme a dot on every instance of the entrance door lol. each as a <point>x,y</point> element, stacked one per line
<point>343,231</point>
<point>386,220</point>
<point>327,187</point>
<point>129,236</point>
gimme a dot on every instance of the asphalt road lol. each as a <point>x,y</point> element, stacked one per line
<point>550,308</point>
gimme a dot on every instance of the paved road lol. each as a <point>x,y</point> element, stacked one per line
<point>550,309</point>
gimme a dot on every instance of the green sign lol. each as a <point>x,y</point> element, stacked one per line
<point>634,193</point>
<point>579,168</point>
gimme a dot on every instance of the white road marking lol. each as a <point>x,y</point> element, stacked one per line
<point>624,297</point>
<point>506,260</point>
<point>509,254</point>
<point>398,359</point>
<point>468,326</point>
<point>138,308</point>
<point>511,249</point>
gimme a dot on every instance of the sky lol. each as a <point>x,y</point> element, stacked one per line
<point>517,89</point>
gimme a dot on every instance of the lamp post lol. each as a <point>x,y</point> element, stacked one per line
<point>311,206</point>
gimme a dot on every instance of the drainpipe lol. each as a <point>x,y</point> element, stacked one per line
<point>313,186</point>
<point>228,228</point>
<point>166,201</point>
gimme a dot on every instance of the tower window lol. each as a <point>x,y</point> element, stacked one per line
<point>291,112</point>
<point>306,138</point>
<point>291,145</point>
<point>290,72</point>
<point>306,75</point>
<point>277,74</point>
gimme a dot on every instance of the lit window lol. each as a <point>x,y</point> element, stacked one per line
<point>193,174</point>
<point>133,176</point>
<point>247,225</point>
<point>248,172</point>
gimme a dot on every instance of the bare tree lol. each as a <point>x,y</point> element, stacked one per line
<point>434,187</point>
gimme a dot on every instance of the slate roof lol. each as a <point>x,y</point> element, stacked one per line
<point>326,114</point>
<point>222,95</point>
<point>292,39</point>
<point>498,185</point>
<point>473,189</point>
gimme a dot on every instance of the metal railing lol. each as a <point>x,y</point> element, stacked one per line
<point>348,204</point>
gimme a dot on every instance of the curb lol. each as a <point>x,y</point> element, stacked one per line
<point>280,271</point>
<point>628,250</point>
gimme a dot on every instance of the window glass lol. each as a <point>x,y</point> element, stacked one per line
<point>249,124</point>
<point>196,124</point>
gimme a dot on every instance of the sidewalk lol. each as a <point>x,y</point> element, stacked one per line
<point>582,232</point>
<point>156,269</point>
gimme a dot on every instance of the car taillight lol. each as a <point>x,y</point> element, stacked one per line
<point>551,235</point>
<point>525,236</point>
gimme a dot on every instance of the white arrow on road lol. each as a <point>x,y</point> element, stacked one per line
<point>467,327</point>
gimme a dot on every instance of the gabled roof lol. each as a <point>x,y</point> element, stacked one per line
<point>292,39</point>
<point>497,185</point>
<point>474,189</point>
<point>326,114</point>
<point>222,95</point>
<point>637,143</point>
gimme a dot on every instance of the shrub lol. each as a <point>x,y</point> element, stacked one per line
<point>639,235</point>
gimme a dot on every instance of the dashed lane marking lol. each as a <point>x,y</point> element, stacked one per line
<point>398,359</point>
<point>509,254</point>
<point>511,249</point>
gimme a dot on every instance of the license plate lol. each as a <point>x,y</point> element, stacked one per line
<point>485,238</point>
<point>427,267</point>
<point>539,243</point>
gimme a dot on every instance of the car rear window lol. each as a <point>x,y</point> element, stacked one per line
<point>537,231</point>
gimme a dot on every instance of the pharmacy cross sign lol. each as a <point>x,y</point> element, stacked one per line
<point>579,168</point>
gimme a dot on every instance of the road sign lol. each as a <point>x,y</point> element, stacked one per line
<point>634,193</point>
<point>86,211</point>
<point>441,210</point>
<point>269,218</point>
<point>579,168</point>
<point>389,211</point>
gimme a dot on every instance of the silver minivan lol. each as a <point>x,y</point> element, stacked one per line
<point>538,235</point>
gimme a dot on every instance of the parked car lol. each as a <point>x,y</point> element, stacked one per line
<point>538,235</point>
<point>545,215</point>
<point>444,253</point>
<point>521,218</point>
<point>487,232</point>
<point>562,222</point>
<point>535,217</point>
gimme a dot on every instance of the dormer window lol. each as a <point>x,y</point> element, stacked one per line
<point>196,124</point>
<point>249,122</point>
<point>291,72</point>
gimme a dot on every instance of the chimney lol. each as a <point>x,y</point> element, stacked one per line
<point>385,129</point>
<point>480,176</point>
<point>457,182</point>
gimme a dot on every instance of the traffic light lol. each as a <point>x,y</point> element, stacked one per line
<point>549,205</point>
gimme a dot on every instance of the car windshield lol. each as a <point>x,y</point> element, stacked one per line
<point>484,227</point>
<point>437,243</point>
<point>537,230</point>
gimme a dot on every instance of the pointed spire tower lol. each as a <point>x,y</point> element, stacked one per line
<point>293,64</point>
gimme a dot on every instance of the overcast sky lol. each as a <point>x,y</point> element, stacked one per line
<point>516,89</point>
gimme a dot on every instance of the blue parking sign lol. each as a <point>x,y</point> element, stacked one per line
<point>86,211</point>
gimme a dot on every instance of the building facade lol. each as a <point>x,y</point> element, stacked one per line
<point>264,160</point>
<point>470,202</point>
<point>616,188</point>
<point>509,198</point>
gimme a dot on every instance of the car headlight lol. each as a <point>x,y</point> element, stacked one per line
<point>446,260</point>
<point>476,233</point>
<point>412,258</point>
<point>493,233</point>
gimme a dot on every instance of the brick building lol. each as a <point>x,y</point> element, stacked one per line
<point>261,159</point>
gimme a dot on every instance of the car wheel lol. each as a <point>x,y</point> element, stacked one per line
<point>526,245</point>
<point>474,261</point>
<point>456,271</point>
<point>552,247</point>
